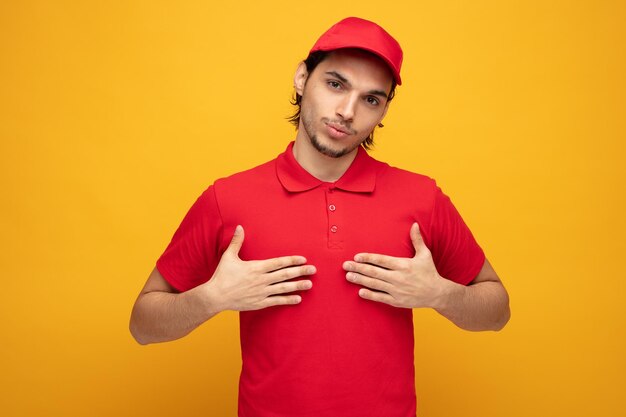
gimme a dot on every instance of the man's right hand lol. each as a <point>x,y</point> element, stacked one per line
<point>252,285</point>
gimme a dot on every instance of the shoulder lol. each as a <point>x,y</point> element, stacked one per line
<point>250,182</point>
<point>398,178</point>
<point>396,173</point>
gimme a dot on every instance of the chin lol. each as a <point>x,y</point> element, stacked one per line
<point>331,151</point>
<point>327,150</point>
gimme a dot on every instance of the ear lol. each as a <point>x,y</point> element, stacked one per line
<point>300,78</point>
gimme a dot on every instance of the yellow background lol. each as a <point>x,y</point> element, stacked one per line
<point>115,116</point>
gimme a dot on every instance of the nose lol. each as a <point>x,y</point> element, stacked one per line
<point>347,107</point>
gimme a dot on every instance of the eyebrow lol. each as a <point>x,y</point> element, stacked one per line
<point>344,80</point>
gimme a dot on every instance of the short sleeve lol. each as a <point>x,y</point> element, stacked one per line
<point>456,254</point>
<point>192,255</point>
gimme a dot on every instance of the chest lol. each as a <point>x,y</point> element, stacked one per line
<point>322,223</point>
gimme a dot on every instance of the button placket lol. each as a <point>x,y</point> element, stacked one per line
<point>334,225</point>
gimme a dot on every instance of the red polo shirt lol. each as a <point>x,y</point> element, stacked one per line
<point>334,354</point>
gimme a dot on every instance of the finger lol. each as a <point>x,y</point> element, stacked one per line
<point>274,264</point>
<point>287,287</point>
<point>279,300</point>
<point>384,261</point>
<point>377,296</point>
<point>371,283</point>
<point>237,241</point>
<point>372,271</point>
<point>416,237</point>
<point>285,274</point>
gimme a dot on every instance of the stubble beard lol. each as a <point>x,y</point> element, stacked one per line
<point>333,153</point>
<point>323,149</point>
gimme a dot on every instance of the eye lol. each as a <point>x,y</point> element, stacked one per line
<point>334,84</point>
<point>372,100</point>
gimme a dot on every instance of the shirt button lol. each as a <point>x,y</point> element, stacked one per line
<point>333,229</point>
<point>332,207</point>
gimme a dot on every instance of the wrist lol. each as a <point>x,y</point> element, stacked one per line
<point>208,300</point>
<point>445,293</point>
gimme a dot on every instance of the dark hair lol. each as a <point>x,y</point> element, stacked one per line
<point>311,63</point>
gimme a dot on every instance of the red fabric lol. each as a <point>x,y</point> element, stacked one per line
<point>354,32</point>
<point>334,354</point>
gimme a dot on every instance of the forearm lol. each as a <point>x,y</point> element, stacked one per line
<point>161,316</point>
<point>477,307</point>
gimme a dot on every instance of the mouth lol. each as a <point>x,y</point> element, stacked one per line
<point>337,131</point>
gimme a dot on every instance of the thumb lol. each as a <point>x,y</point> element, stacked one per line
<point>237,241</point>
<point>416,237</point>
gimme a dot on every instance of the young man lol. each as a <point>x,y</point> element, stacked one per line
<point>325,251</point>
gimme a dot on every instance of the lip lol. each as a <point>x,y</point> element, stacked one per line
<point>336,131</point>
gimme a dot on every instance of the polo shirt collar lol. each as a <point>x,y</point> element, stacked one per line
<point>359,178</point>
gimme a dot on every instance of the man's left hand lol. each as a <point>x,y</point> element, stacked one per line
<point>400,282</point>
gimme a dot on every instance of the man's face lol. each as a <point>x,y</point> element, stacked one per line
<point>343,100</point>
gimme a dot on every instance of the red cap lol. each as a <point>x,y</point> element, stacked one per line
<point>353,32</point>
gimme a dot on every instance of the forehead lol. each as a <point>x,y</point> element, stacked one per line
<point>358,66</point>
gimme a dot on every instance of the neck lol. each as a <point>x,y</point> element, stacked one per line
<point>322,167</point>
